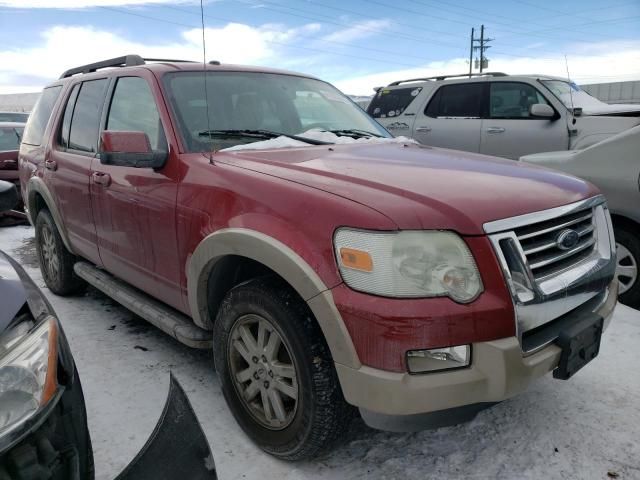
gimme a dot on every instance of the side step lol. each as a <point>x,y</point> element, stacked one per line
<point>167,319</point>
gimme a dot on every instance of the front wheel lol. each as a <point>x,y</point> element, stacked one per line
<point>276,371</point>
<point>627,268</point>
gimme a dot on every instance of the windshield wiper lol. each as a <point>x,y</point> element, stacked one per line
<point>268,134</point>
<point>354,133</point>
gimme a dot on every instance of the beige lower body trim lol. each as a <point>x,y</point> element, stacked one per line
<point>498,371</point>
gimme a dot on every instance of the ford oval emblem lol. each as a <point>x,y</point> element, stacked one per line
<point>567,239</point>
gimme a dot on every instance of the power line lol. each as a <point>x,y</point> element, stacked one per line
<point>125,12</point>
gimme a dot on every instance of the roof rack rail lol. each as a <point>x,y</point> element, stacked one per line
<point>443,77</point>
<point>125,61</point>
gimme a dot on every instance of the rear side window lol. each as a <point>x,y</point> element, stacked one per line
<point>40,117</point>
<point>85,121</point>
<point>512,99</point>
<point>68,112</point>
<point>391,103</point>
<point>9,138</point>
<point>460,100</point>
<point>133,108</point>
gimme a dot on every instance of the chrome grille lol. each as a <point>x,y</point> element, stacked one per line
<point>539,243</point>
<point>546,281</point>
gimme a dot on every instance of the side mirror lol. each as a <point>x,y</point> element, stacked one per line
<point>8,196</point>
<point>129,149</point>
<point>542,110</point>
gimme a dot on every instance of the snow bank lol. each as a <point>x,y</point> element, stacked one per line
<point>314,134</point>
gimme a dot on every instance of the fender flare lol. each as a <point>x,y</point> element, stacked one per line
<point>37,185</point>
<point>285,262</point>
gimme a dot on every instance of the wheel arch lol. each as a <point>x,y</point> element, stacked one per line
<point>39,197</point>
<point>212,262</point>
<point>626,223</point>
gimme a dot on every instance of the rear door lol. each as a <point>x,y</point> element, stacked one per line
<point>508,129</point>
<point>134,208</point>
<point>68,164</point>
<point>452,118</point>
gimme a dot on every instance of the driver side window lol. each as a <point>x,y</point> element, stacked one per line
<point>133,108</point>
<point>513,99</point>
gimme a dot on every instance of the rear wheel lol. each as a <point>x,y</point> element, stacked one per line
<point>627,269</point>
<point>56,262</point>
<point>276,371</point>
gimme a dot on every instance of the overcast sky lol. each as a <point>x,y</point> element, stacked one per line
<point>355,44</point>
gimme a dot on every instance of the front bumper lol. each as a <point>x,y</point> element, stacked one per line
<point>499,370</point>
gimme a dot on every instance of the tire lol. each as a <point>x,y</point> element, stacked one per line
<point>628,267</point>
<point>307,425</point>
<point>56,262</point>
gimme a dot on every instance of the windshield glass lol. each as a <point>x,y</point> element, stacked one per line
<point>258,101</point>
<point>569,93</point>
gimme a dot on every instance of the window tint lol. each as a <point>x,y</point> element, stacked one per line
<point>512,99</point>
<point>14,117</point>
<point>85,121</point>
<point>133,108</point>
<point>40,117</point>
<point>461,100</point>
<point>391,103</point>
<point>68,112</point>
<point>9,138</point>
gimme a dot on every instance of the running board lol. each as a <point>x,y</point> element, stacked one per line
<point>167,319</point>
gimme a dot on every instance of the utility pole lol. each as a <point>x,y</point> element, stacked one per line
<point>483,62</point>
<point>471,54</point>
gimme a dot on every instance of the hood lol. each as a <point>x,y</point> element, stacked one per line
<point>12,293</point>
<point>420,187</point>
<point>612,109</point>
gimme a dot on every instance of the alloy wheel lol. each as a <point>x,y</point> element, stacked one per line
<point>626,268</point>
<point>263,371</point>
<point>49,253</point>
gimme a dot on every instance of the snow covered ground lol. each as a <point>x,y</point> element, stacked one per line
<point>586,428</point>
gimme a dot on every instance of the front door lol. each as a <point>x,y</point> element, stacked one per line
<point>68,164</point>
<point>134,208</point>
<point>452,118</point>
<point>508,129</point>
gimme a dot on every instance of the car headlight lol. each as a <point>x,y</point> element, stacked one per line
<point>408,264</point>
<point>28,371</point>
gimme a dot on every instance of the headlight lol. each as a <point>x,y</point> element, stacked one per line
<point>408,264</point>
<point>27,374</point>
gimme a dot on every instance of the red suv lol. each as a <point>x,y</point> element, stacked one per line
<point>262,213</point>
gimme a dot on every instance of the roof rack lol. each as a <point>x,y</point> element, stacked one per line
<point>126,61</point>
<point>443,77</point>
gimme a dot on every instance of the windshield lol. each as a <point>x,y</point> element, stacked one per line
<point>570,94</point>
<point>10,138</point>
<point>277,103</point>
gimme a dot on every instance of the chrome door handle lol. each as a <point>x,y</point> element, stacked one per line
<point>423,129</point>
<point>101,178</point>
<point>51,165</point>
<point>495,130</point>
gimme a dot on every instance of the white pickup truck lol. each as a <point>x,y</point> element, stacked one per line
<point>497,114</point>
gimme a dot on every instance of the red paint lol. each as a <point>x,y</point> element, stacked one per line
<point>384,329</point>
<point>130,142</point>
<point>144,226</point>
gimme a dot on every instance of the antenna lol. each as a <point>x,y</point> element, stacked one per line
<point>204,74</point>
<point>573,110</point>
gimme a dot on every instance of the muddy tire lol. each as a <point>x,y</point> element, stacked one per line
<point>276,371</point>
<point>628,267</point>
<point>56,262</point>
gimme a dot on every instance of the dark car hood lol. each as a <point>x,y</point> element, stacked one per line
<point>12,292</point>
<point>420,187</point>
